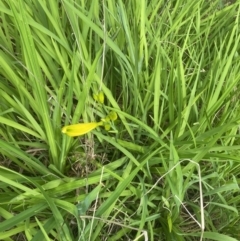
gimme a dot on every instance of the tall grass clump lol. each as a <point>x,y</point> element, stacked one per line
<point>167,168</point>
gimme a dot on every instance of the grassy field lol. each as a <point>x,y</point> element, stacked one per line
<point>168,168</point>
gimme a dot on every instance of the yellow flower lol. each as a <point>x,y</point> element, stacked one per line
<point>80,129</point>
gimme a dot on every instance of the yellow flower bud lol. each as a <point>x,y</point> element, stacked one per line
<point>80,129</point>
<point>99,97</point>
<point>107,127</point>
<point>112,115</point>
<point>95,97</point>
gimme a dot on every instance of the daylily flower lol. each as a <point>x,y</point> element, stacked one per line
<point>80,129</point>
<point>83,128</point>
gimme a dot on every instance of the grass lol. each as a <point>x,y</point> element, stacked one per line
<point>169,167</point>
